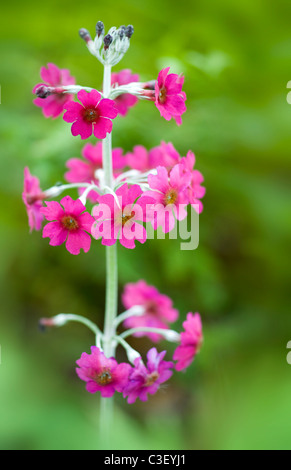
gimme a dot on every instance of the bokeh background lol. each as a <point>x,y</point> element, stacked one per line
<point>236,60</point>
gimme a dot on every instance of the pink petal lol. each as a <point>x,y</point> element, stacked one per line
<point>77,240</point>
<point>74,111</point>
<point>53,107</point>
<point>160,181</point>
<point>93,153</point>
<point>51,75</point>
<point>89,100</point>
<point>134,192</point>
<point>107,108</point>
<point>80,171</point>
<point>66,78</point>
<point>56,232</point>
<point>86,221</point>
<point>71,206</point>
<point>102,127</point>
<point>53,211</point>
<point>82,128</point>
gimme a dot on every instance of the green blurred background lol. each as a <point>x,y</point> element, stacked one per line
<point>236,60</point>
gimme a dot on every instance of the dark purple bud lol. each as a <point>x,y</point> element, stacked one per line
<point>149,85</point>
<point>99,28</point>
<point>42,91</point>
<point>41,327</point>
<point>84,34</point>
<point>121,31</point>
<point>129,31</point>
<point>107,41</point>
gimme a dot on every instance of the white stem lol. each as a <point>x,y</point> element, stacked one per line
<point>169,335</point>
<point>131,353</point>
<point>55,191</point>
<point>135,311</point>
<point>63,318</point>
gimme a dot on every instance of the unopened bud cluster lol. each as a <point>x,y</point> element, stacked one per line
<point>108,48</point>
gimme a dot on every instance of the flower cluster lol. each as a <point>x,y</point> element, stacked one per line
<point>120,194</point>
<point>106,376</point>
<point>169,184</point>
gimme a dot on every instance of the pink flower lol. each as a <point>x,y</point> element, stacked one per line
<point>162,155</point>
<point>146,380</point>
<point>84,171</point>
<point>102,374</point>
<point>94,115</point>
<point>158,307</point>
<point>195,190</point>
<point>53,105</point>
<point>139,159</point>
<point>118,217</point>
<point>32,197</point>
<point>191,341</point>
<point>125,101</point>
<point>170,99</point>
<point>170,195</point>
<point>69,224</point>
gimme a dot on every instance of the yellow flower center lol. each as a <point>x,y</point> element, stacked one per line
<point>171,196</point>
<point>163,95</point>
<point>70,223</point>
<point>126,217</point>
<point>104,378</point>
<point>151,379</point>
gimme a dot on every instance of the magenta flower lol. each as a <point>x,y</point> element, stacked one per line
<point>126,100</point>
<point>102,374</point>
<point>163,155</point>
<point>169,97</point>
<point>119,217</point>
<point>69,224</point>
<point>146,380</point>
<point>191,341</point>
<point>94,115</point>
<point>32,197</point>
<point>195,190</point>
<point>53,105</point>
<point>166,155</point>
<point>139,159</point>
<point>170,194</point>
<point>159,311</point>
<point>85,170</point>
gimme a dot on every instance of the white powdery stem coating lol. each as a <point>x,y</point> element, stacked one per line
<point>55,191</point>
<point>131,353</point>
<point>106,404</point>
<point>111,251</point>
<point>169,335</point>
<point>136,311</point>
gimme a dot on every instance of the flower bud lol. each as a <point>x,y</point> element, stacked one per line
<point>149,85</point>
<point>129,31</point>
<point>107,41</point>
<point>99,28</point>
<point>42,91</point>
<point>84,34</point>
<point>58,320</point>
<point>121,31</point>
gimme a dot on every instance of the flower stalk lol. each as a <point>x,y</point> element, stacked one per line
<point>111,300</point>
